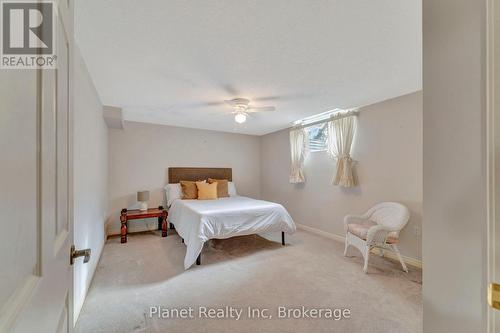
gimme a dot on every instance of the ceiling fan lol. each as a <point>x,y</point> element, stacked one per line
<point>242,108</point>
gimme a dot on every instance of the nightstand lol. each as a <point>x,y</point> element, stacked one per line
<point>137,214</point>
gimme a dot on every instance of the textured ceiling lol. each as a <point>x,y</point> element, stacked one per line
<point>169,62</point>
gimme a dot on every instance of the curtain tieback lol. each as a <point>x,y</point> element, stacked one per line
<point>345,157</point>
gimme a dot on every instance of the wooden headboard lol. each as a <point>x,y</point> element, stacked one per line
<point>175,175</point>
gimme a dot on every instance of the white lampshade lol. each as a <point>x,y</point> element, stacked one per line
<point>240,118</point>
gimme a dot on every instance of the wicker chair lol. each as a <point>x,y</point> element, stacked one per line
<point>378,227</point>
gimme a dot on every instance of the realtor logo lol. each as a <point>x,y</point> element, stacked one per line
<point>28,34</point>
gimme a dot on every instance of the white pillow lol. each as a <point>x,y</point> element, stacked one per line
<point>173,192</point>
<point>231,189</point>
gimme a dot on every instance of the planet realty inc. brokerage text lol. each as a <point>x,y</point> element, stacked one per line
<point>237,313</point>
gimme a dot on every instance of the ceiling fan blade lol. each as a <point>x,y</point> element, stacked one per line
<point>260,108</point>
<point>230,89</point>
<point>213,103</point>
<point>283,97</point>
<point>267,98</point>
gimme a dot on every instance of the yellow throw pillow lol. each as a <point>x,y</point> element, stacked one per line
<point>206,191</point>
<point>222,187</point>
<point>189,190</point>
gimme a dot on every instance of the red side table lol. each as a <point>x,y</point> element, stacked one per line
<point>137,214</point>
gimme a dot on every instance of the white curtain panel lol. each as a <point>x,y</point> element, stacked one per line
<point>339,142</point>
<point>298,148</point>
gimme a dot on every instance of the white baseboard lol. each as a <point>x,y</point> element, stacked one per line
<point>408,260</point>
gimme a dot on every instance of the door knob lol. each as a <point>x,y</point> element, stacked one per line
<point>494,295</point>
<point>79,253</point>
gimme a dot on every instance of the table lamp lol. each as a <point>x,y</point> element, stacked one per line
<point>143,197</point>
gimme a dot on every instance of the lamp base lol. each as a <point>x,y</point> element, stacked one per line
<point>144,206</point>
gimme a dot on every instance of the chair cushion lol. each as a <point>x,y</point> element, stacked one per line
<point>361,230</point>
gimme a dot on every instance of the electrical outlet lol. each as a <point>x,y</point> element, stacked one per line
<point>416,230</point>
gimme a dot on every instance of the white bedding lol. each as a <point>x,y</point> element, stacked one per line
<point>200,220</point>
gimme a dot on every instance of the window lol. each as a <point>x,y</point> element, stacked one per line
<point>317,137</point>
<point>316,128</point>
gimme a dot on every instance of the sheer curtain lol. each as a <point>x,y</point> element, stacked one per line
<point>298,148</point>
<point>339,142</point>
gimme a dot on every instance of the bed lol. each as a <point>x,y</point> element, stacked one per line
<point>198,221</point>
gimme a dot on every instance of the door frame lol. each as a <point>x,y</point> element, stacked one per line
<point>492,97</point>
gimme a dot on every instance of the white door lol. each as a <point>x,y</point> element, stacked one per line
<point>36,193</point>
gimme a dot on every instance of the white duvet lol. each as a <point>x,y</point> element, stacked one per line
<point>200,220</point>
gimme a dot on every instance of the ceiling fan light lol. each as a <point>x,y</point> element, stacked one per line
<point>240,118</point>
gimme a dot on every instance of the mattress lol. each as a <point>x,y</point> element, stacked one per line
<point>197,221</point>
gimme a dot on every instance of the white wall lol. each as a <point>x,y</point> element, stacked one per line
<point>140,154</point>
<point>455,184</point>
<point>90,177</point>
<point>388,147</point>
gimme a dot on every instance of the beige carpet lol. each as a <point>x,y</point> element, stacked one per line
<point>248,272</point>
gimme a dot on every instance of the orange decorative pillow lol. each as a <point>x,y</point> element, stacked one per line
<point>189,190</point>
<point>222,187</point>
<point>206,191</point>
